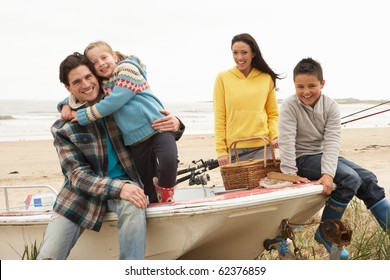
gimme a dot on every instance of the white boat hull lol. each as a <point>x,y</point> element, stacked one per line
<point>226,226</point>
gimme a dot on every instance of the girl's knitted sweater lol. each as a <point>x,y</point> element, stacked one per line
<point>129,98</point>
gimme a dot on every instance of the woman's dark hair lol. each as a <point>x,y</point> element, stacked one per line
<point>258,61</point>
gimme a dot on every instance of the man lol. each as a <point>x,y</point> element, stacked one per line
<point>98,170</point>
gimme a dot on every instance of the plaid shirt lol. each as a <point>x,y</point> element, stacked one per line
<point>82,151</point>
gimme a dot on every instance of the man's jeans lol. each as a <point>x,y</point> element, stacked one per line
<point>62,234</point>
<point>351,179</point>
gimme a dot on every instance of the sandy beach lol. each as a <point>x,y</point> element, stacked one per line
<point>36,162</point>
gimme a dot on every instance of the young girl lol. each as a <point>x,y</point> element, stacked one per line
<point>129,98</point>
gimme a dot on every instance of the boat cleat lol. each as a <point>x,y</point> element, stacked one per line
<point>280,244</point>
<point>335,232</point>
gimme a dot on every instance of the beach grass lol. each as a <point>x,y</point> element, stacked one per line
<point>30,251</point>
<point>368,241</point>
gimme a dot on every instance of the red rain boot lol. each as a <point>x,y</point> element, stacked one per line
<point>163,194</point>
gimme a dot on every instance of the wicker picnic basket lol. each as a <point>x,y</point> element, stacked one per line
<point>246,174</point>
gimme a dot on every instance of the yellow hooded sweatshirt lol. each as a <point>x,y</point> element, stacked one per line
<point>244,107</point>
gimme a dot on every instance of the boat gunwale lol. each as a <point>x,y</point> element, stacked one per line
<point>223,202</point>
<point>251,199</point>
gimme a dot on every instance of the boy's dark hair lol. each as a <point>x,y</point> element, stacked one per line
<point>71,62</point>
<point>309,66</point>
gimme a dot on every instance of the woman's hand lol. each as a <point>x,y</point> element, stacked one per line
<point>275,143</point>
<point>223,160</point>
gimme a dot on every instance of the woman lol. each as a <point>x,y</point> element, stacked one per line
<point>245,101</point>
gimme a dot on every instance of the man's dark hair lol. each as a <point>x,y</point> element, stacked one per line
<point>71,62</point>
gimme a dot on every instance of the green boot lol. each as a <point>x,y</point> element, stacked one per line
<point>333,211</point>
<point>381,212</point>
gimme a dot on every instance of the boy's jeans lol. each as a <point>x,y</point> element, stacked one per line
<point>62,234</point>
<point>351,179</point>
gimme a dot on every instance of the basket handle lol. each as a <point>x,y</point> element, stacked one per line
<point>233,146</point>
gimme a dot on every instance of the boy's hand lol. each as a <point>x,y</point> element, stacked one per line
<point>66,112</point>
<point>287,177</point>
<point>327,182</point>
<point>303,180</point>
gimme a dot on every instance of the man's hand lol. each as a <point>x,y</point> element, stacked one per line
<point>134,194</point>
<point>327,182</point>
<point>167,123</point>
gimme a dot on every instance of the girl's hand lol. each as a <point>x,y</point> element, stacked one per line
<point>66,112</point>
<point>74,116</point>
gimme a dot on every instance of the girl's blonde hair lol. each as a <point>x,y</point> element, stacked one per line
<point>101,44</point>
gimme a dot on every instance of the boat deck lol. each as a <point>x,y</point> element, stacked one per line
<point>202,223</point>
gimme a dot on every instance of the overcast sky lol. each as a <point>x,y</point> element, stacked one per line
<point>186,43</point>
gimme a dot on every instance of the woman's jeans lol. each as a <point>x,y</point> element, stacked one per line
<point>251,153</point>
<point>350,179</point>
<point>62,234</point>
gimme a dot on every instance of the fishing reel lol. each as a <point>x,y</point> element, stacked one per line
<point>201,179</point>
<point>197,174</point>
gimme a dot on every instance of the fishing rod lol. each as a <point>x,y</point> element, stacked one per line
<point>365,109</point>
<point>366,116</point>
<point>196,176</point>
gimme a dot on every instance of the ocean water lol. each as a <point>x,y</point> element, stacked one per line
<point>31,120</point>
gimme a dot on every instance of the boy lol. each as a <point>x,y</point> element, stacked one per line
<point>309,142</point>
